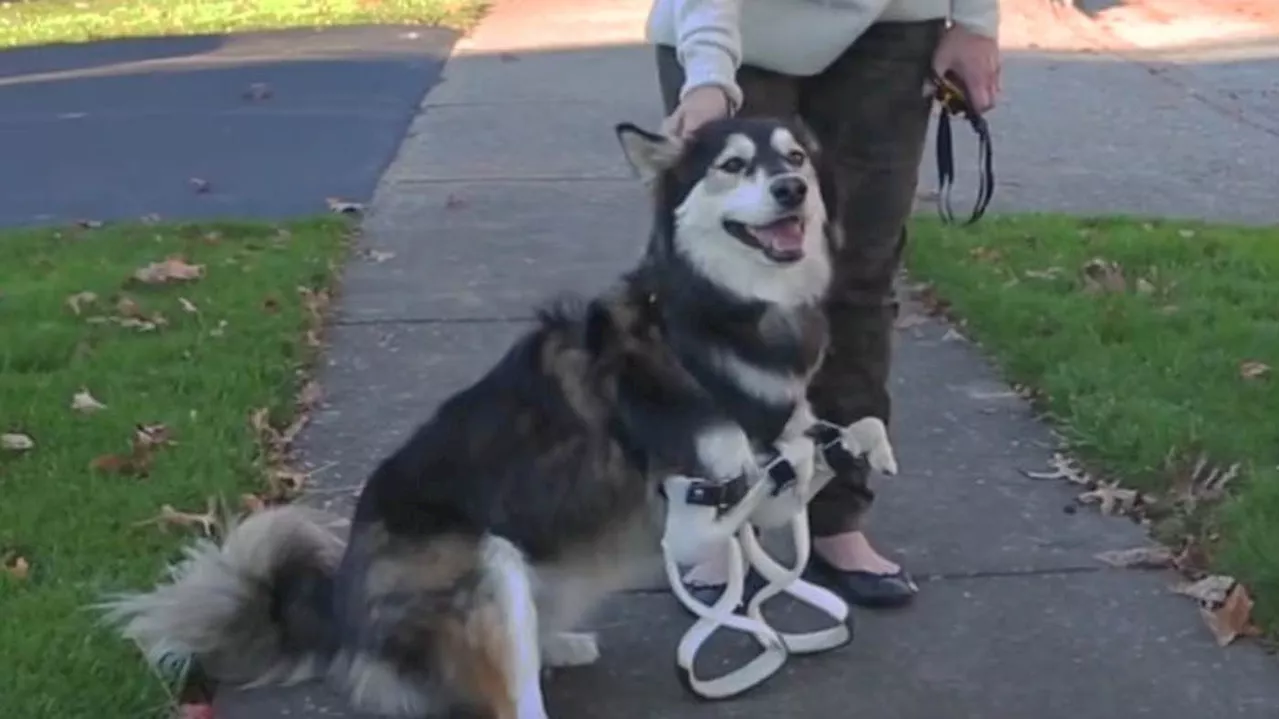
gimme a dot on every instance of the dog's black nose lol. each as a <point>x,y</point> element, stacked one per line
<point>789,192</point>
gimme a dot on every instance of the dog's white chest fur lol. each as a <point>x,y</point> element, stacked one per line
<point>775,387</point>
<point>769,386</point>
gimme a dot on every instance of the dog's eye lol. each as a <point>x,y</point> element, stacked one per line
<point>796,157</point>
<point>733,165</point>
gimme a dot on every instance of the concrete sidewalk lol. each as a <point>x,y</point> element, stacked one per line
<point>510,186</point>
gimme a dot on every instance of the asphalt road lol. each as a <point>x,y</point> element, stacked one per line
<point>263,125</point>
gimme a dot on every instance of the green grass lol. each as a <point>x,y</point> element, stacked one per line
<point>1130,376</point>
<point>201,375</point>
<point>41,22</point>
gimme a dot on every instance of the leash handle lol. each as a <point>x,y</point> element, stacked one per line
<point>952,95</point>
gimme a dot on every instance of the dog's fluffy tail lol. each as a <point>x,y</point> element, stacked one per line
<point>256,609</point>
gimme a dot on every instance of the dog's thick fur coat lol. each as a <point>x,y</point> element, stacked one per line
<point>477,547</point>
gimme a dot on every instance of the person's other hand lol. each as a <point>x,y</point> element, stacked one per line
<point>976,59</point>
<point>700,106</point>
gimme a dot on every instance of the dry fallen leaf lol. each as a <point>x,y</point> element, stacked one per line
<point>134,465</point>
<point>1144,286</point>
<point>81,298</point>
<point>286,483</point>
<point>934,304</point>
<point>1110,498</point>
<point>985,254</point>
<point>1231,619</point>
<point>379,256</point>
<point>16,442</point>
<point>1137,558</point>
<point>909,320</point>
<point>188,305</point>
<point>252,503</point>
<point>313,338</point>
<point>315,302</point>
<point>1253,369</point>
<point>1101,276</point>
<point>84,402</point>
<point>127,307</point>
<point>137,323</point>
<point>1209,591</point>
<point>16,566</point>
<point>343,207</point>
<point>310,394</point>
<point>258,91</point>
<point>148,436</point>
<point>260,421</point>
<point>146,439</point>
<point>1045,274</point>
<point>1063,468</point>
<point>1198,481</point>
<point>220,330</point>
<point>169,517</point>
<point>172,269</point>
<point>1192,559</point>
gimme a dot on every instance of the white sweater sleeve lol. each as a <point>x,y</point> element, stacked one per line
<point>709,45</point>
<point>979,16</point>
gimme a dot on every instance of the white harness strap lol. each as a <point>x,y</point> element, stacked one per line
<point>703,516</point>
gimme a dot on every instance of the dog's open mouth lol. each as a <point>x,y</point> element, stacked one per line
<point>781,240</point>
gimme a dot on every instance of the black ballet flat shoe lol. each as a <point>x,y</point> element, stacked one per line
<point>863,588</point>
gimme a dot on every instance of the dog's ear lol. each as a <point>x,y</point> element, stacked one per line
<point>649,153</point>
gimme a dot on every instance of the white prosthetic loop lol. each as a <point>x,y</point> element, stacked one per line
<point>704,516</point>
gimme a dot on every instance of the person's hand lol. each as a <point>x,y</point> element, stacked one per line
<point>700,106</point>
<point>976,59</point>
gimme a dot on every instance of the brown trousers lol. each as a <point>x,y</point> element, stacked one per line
<point>870,115</point>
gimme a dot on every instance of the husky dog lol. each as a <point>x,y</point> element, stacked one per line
<point>479,545</point>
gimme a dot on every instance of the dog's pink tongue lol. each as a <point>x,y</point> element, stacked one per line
<point>787,235</point>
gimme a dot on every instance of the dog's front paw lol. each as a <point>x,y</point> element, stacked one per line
<point>799,451</point>
<point>570,649</point>
<point>868,436</point>
<point>724,451</point>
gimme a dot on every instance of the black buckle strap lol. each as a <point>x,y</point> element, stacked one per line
<point>952,97</point>
<point>726,495</point>
<point>781,472</point>
<point>829,438</point>
<point>721,495</point>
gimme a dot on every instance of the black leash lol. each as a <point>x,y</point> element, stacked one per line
<point>954,100</point>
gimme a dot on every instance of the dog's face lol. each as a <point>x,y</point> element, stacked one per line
<point>744,199</point>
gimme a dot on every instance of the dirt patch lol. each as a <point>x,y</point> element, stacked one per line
<point>1174,23</point>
